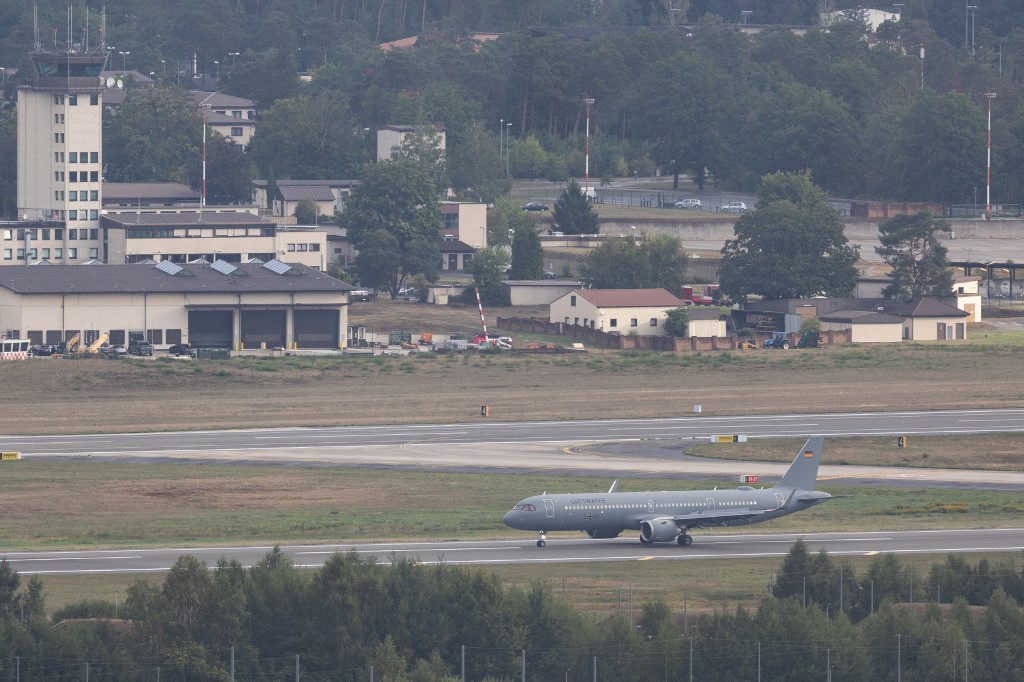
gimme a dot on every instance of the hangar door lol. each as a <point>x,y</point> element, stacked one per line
<point>210,328</point>
<point>263,327</point>
<point>317,328</point>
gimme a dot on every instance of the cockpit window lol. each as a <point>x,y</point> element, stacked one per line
<point>525,507</point>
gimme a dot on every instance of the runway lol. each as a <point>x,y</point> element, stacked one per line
<point>606,447</point>
<point>561,548</point>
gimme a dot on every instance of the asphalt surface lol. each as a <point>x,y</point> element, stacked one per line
<point>561,548</point>
<point>635,448</point>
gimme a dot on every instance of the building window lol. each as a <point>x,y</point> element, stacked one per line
<point>94,233</point>
<point>58,99</point>
<point>94,195</point>
<point>58,234</point>
<point>567,320</point>
<point>8,254</point>
<point>633,322</point>
<point>173,336</point>
<point>58,253</point>
<point>94,157</point>
<point>31,254</point>
<point>46,234</point>
<point>236,114</point>
<point>572,301</point>
<point>72,195</point>
<point>94,253</point>
<point>72,176</point>
<point>314,247</point>
<point>236,132</point>
<point>155,336</point>
<point>291,248</point>
<point>73,214</point>
<point>94,176</point>
<point>94,214</point>
<point>72,233</point>
<point>72,254</point>
<point>72,157</point>
<point>576,321</point>
<point>8,235</point>
<point>21,254</point>
<point>654,322</point>
<point>72,100</point>
<point>613,323</point>
<point>46,253</point>
<point>94,99</point>
<point>302,247</point>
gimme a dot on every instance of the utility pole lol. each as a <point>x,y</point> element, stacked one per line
<point>988,160</point>
<point>586,170</point>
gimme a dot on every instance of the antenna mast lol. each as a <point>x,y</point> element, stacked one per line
<point>35,27</point>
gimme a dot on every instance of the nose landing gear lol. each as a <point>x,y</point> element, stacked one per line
<point>543,541</point>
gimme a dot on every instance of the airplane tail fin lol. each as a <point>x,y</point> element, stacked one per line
<point>803,472</point>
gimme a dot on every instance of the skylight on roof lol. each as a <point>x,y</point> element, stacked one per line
<point>173,269</point>
<point>225,268</point>
<point>279,268</point>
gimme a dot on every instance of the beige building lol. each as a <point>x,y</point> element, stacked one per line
<point>60,154</point>
<point>538,291</point>
<point>865,326</point>
<point>218,305</point>
<point>968,296</point>
<point>288,193</point>
<point>706,323</point>
<point>187,236</point>
<point>930,319</point>
<point>625,311</point>
<point>391,137</point>
<point>466,222</point>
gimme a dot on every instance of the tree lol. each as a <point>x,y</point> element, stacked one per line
<point>264,77</point>
<point>676,320</point>
<point>155,136</point>
<point>911,247</point>
<point>8,171</point>
<point>657,261</point>
<point>527,252</point>
<point>789,249</point>
<point>573,212</point>
<point>488,268</point>
<point>394,221</point>
<point>309,137</point>
<point>505,219</point>
<point>228,172</point>
<point>307,212</point>
<point>475,167</point>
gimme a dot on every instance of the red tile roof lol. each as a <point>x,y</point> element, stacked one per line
<point>630,298</point>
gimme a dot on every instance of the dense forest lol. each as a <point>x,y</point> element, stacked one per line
<point>409,622</point>
<point>680,92</point>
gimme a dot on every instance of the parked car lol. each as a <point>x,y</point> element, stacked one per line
<point>735,207</point>
<point>181,350</point>
<point>535,206</point>
<point>113,351</point>
<point>691,204</point>
<point>41,351</point>
<point>141,348</point>
<point>359,295</point>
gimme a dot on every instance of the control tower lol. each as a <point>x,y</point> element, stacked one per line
<point>60,150</point>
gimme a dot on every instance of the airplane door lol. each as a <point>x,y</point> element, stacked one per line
<point>549,508</point>
<point>711,504</point>
<point>650,506</point>
<point>779,500</point>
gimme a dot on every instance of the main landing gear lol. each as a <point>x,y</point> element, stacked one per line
<point>684,540</point>
<point>543,541</point>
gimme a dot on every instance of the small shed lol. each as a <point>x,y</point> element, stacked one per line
<point>706,323</point>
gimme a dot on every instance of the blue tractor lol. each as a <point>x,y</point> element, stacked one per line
<point>777,340</point>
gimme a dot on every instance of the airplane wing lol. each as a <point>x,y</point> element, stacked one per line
<point>715,517</point>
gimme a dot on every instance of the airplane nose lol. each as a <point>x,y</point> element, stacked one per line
<point>508,518</point>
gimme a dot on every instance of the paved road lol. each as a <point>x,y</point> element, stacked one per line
<point>634,448</point>
<point>562,548</point>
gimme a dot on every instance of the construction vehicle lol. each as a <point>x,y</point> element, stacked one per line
<point>94,347</point>
<point>746,344</point>
<point>777,340</point>
<point>71,345</point>
<point>809,339</point>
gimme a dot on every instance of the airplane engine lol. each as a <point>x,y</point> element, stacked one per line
<point>603,534</point>
<point>658,530</point>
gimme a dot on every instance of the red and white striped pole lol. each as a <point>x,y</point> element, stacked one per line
<point>586,168</point>
<point>988,160</point>
<point>481,307</point>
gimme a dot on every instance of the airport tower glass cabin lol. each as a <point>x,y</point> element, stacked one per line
<point>60,156</point>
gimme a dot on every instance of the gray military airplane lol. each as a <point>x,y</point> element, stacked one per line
<point>667,516</point>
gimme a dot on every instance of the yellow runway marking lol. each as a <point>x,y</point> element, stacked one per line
<point>870,553</point>
<point>645,558</point>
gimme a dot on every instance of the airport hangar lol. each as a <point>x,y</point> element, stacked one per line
<point>210,305</point>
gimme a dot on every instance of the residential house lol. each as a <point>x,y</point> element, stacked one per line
<point>625,311</point>
<point>288,193</point>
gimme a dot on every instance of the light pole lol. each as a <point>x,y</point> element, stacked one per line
<point>972,9</point>
<point>988,160</point>
<point>216,65</point>
<point>501,139</point>
<point>124,60</point>
<point>163,68</point>
<point>508,140</point>
<point>3,76</point>
<point>586,169</point>
<point>745,16</point>
<point>206,107</point>
<point>233,55</point>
